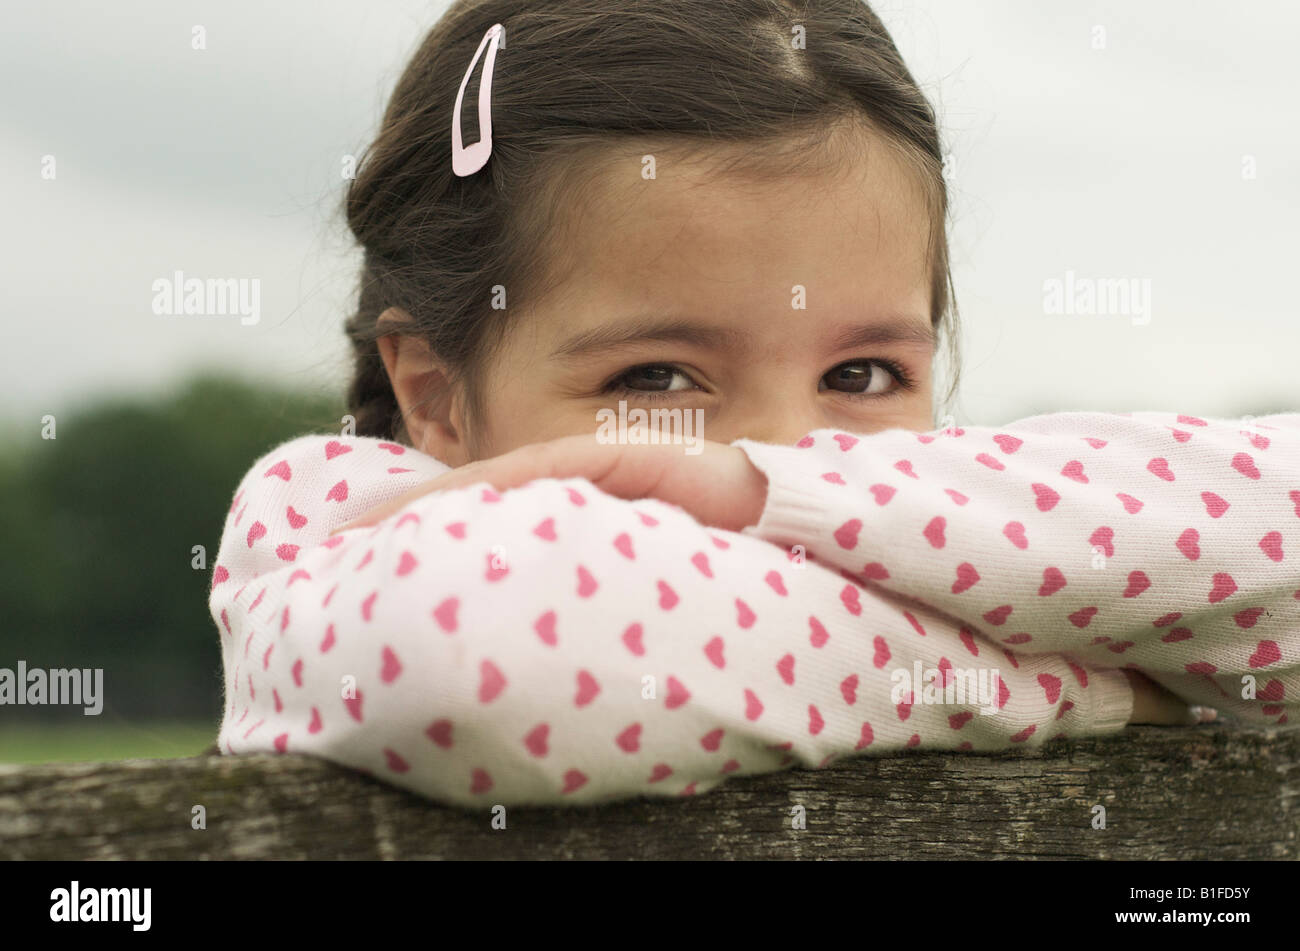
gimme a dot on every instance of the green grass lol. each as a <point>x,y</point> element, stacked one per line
<point>75,742</point>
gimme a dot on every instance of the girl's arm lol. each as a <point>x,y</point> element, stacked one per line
<point>554,644</point>
<point>1163,543</point>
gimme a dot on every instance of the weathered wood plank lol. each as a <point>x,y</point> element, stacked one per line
<point>1212,792</point>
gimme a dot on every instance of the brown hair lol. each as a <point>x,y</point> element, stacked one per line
<point>574,77</point>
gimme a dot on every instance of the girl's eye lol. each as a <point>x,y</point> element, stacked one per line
<point>866,378</point>
<point>859,379</point>
<point>654,378</point>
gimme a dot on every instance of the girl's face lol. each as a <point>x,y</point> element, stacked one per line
<point>776,307</point>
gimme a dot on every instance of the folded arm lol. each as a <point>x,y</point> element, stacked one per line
<point>1163,543</point>
<point>555,644</point>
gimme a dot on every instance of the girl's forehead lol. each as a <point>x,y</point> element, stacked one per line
<point>853,237</point>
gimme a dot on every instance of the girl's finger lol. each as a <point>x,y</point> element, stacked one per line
<point>1153,704</point>
<point>568,457</point>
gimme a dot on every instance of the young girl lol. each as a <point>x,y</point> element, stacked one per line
<point>734,211</point>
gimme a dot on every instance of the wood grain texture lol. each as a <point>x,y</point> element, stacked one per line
<point>1210,792</point>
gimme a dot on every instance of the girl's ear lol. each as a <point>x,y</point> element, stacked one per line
<point>431,404</point>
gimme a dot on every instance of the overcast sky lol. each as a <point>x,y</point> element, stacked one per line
<point>1122,162</point>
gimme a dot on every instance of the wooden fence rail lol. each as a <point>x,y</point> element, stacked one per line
<point>1210,792</point>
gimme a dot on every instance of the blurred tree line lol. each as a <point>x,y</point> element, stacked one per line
<point>98,526</point>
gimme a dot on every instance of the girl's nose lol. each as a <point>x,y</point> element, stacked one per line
<point>782,425</point>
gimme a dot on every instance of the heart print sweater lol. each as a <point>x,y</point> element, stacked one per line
<point>967,589</point>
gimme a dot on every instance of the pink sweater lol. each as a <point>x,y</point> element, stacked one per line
<point>967,590</point>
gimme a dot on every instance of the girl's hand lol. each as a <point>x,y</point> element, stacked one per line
<point>1154,704</point>
<point>719,486</point>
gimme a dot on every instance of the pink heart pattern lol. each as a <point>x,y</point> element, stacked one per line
<point>1172,561</point>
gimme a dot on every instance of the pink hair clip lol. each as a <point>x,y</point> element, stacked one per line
<point>467,161</point>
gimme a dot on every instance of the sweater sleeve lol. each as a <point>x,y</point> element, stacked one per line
<point>1163,543</point>
<point>552,644</point>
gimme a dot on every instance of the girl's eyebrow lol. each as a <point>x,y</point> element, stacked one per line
<point>651,327</point>
<point>675,329</point>
<point>905,331</point>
